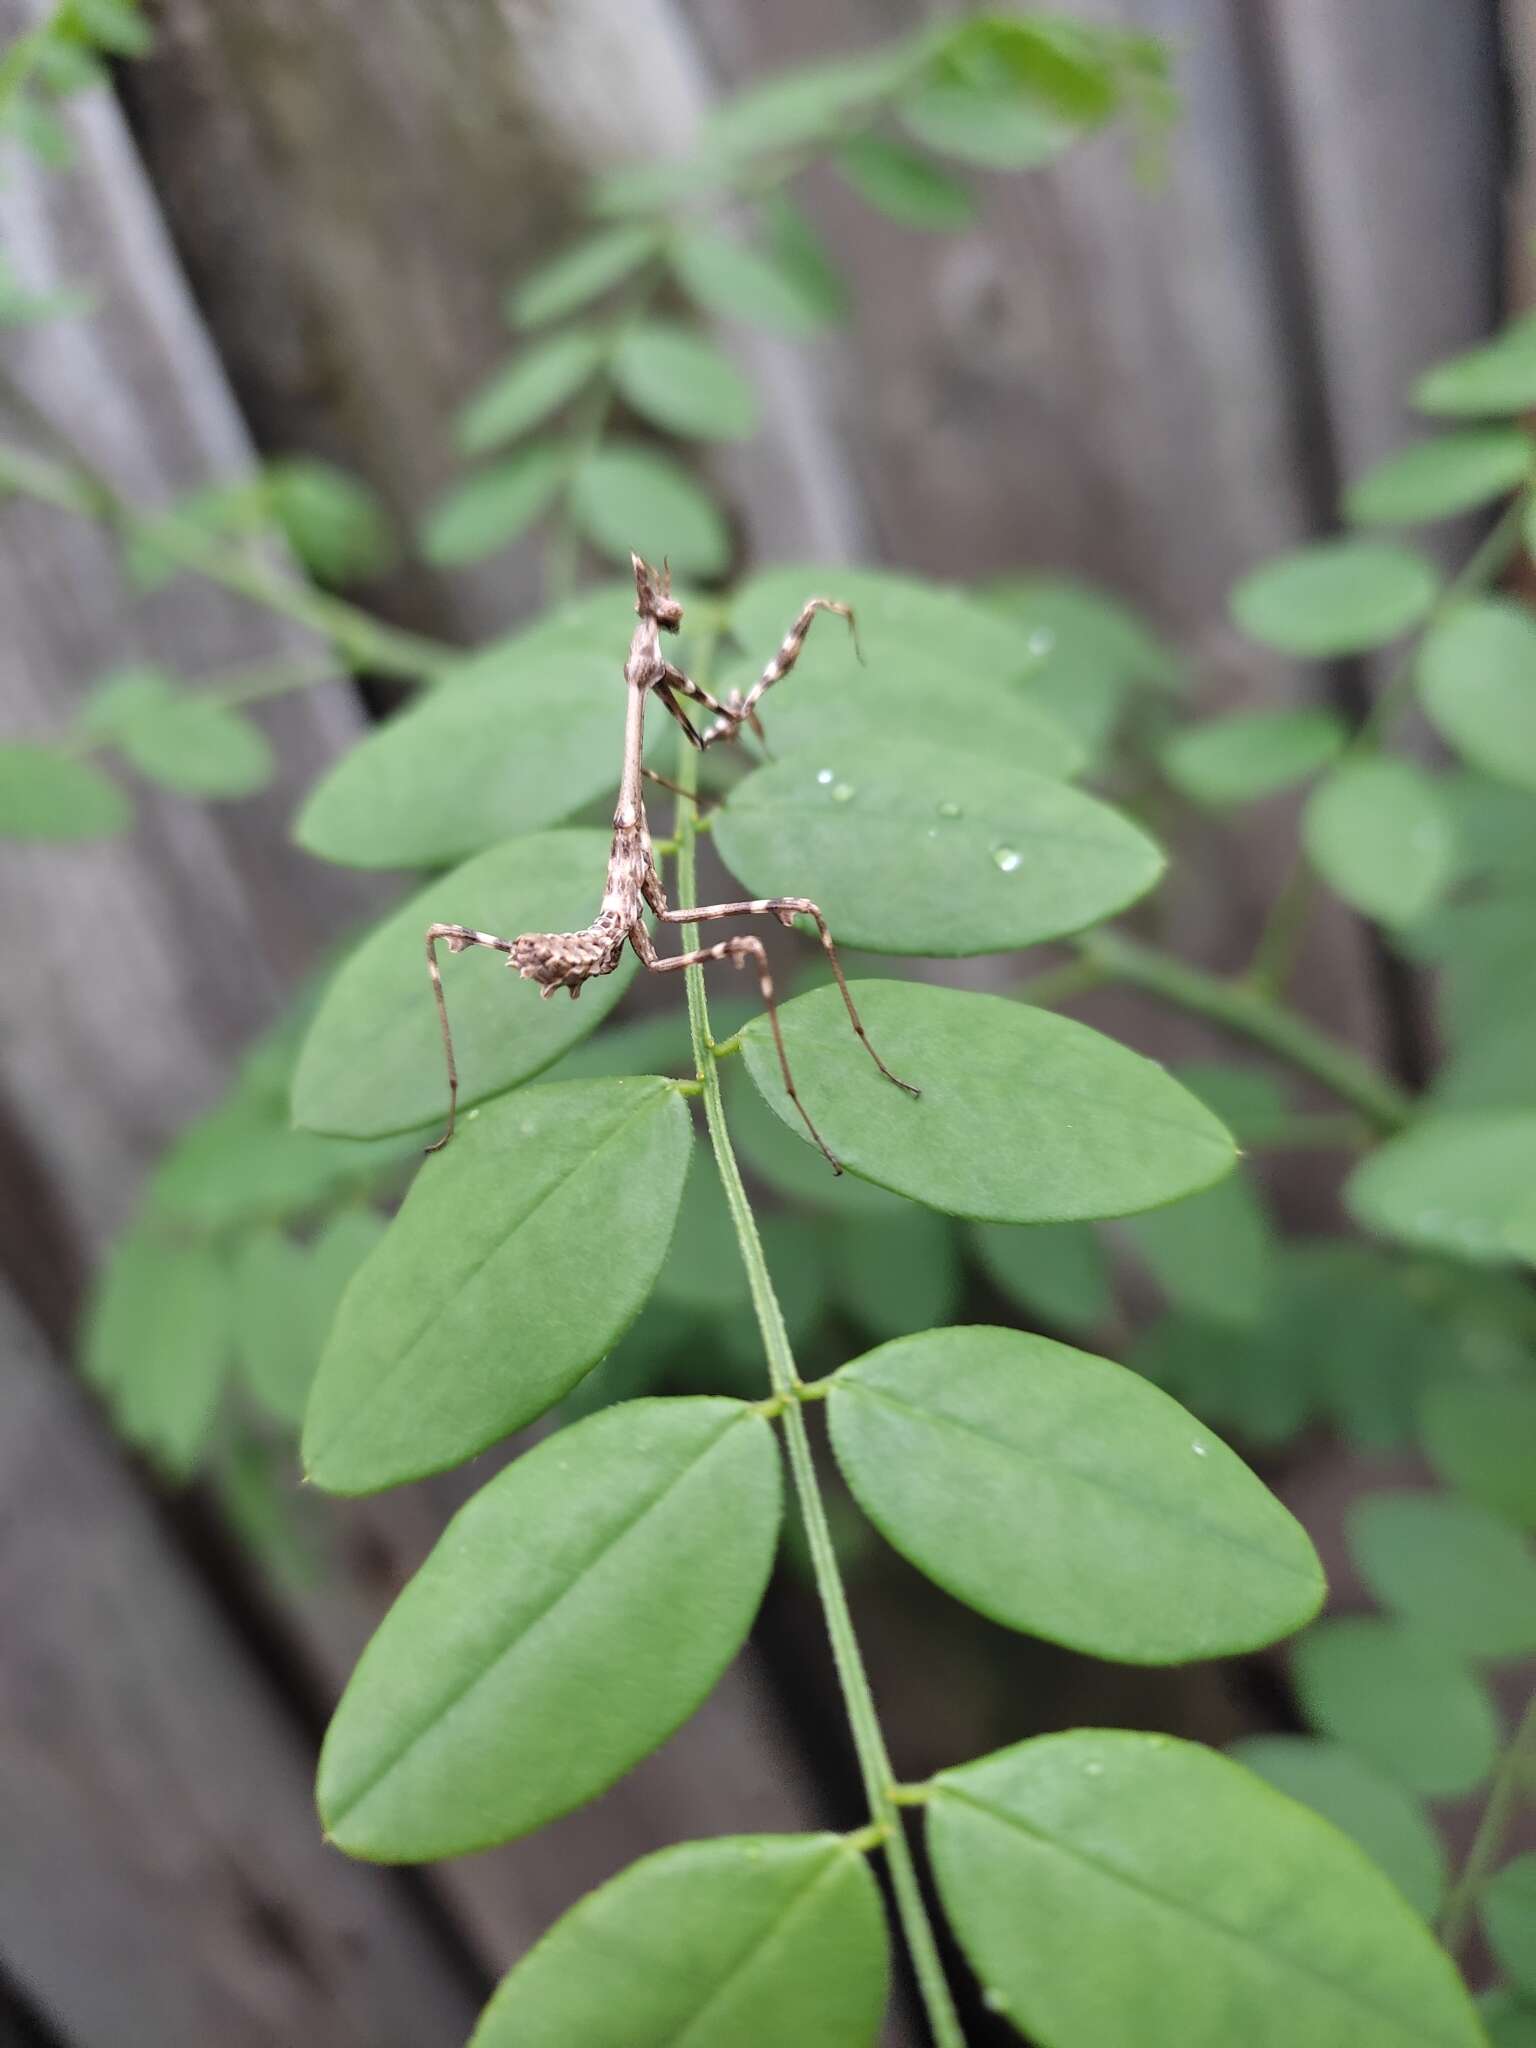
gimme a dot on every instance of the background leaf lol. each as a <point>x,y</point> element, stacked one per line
<point>372,1062</point>
<point>1378,834</point>
<point>46,794</point>
<point>1452,1182</point>
<point>1025,1117</point>
<point>1497,376</point>
<point>491,507</point>
<point>570,1617</point>
<point>1480,1436</point>
<point>740,281</point>
<point>626,496</point>
<point>1436,479</point>
<point>908,850</point>
<point>1170,1897</point>
<point>1056,1271</point>
<point>1508,1909</point>
<point>537,381</point>
<point>1251,754</point>
<point>199,748</point>
<point>497,1236</point>
<point>579,274</point>
<point>333,523</point>
<point>684,382</point>
<point>1477,681</point>
<point>1401,1700</point>
<point>1212,1253</point>
<point>1335,597</point>
<point>765,1941</point>
<point>1063,1495</point>
<point>905,185</point>
<point>898,1273</point>
<point>1457,1573</point>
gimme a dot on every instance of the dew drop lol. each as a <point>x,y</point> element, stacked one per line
<point>994,2000</point>
<point>947,809</point>
<point>823,776</point>
<point>842,792</point>
<point>933,831</point>
<point>1198,1449</point>
<point>1093,1770</point>
<point>1007,858</point>
<point>1040,643</point>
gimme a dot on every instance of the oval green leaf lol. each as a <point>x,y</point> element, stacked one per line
<point>1212,1254</point>
<point>1477,681</point>
<point>1436,479</point>
<point>525,743</point>
<point>1480,1436</point>
<point>1125,1888</point>
<point>45,794</point>
<point>1456,1572</point>
<point>1063,1495</point>
<point>996,129</point>
<point>491,507</point>
<point>628,497</point>
<point>1453,1182</point>
<point>1335,597</point>
<point>908,850</point>
<point>905,185</point>
<point>762,1941</point>
<point>1389,1823</point>
<point>534,384</point>
<point>741,282</point>
<point>1499,376</point>
<point>1250,755</point>
<point>580,274</point>
<point>1057,1271</point>
<point>1377,832</point>
<point>199,748</point>
<point>897,1273</point>
<point>372,1061</point>
<point>1508,1908</point>
<point>569,1619</point>
<point>276,1340</point>
<point>1410,1706</point>
<point>496,1237</point>
<point>684,382</point>
<point>158,1343</point>
<point>1025,1117</point>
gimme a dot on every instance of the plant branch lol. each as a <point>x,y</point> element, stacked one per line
<point>1250,1013</point>
<point>858,1701</point>
<point>1503,1797</point>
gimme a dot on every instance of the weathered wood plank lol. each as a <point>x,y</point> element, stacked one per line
<point>163,1883</point>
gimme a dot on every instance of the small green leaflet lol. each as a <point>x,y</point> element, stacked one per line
<point>1025,1117</point>
<point>993,129</point>
<point>45,794</point>
<point>1213,1254</point>
<point>569,1619</point>
<point>762,1941</point>
<point>1455,1572</point>
<point>537,382</point>
<point>1480,1436</point>
<point>333,523</point>
<point>897,1273</point>
<point>580,274</point>
<point>1377,832</point>
<point>1060,1494</point>
<point>741,281</point>
<point>491,507</point>
<point>1499,376</point>
<point>904,184</point>
<point>628,497</point>
<point>1508,1908</point>
<point>1477,681</point>
<point>1436,479</point>
<point>1400,1699</point>
<point>908,850</point>
<point>372,1062</point>
<point>1454,1181</point>
<point>1117,1887</point>
<point>1237,760</point>
<point>1335,597</point>
<point>484,1303</point>
<point>158,1343</point>
<point>684,382</point>
<point>1056,1271</point>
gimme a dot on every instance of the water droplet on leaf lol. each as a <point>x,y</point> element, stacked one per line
<point>1198,1449</point>
<point>950,810</point>
<point>824,776</point>
<point>842,792</point>
<point>1040,643</point>
<point>1007,858</point>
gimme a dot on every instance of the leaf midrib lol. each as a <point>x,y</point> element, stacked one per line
<point>798,1900</point>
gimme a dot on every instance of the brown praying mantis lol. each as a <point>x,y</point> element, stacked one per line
<point>568,959</point>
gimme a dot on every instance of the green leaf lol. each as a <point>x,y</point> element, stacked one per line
<point>493,506</point>
<point>1508,1909</point>
<point>569,1619</point>
<point>1025,1117</point>
<point>1452,1182</point>
<point>778,1159</point>
<point>334,524</point>
<point>803,257</point>
<point>119,699</point>
<point>762,1941</point>
<point>1480,1436</point>
<point>1377,832</point>
<point>114,25</point>
<point>1510,2019</point>
<point>275,1335</point>
<point>982,125</point>
<point>1335,597</point>
<point>580,274</point>
<point>911,851</point>
<point>1457,1573</point>
<point>1477,681</point>
<point>46,794</point>
<point>1117,1887</point>
<point>1499,376</point>
<point>1400,1699</point>
<point>1063,1495</point>
<point>525,743</point>
<point>497,1234</point>
<point>740,281</point>
<point>157,1344</point>
<point>899,1273</point>
<point>1212,1254</point>
<point>684,382</point>
<point>372,1062</point>
<point>199,748</point>
<point>1249,1100</point>
<point>1088,652</point>
<point>534,384</point>
<point>809,104</point>
<point>904,185</point>
<point>1250,755</point>
<point>1436,479</point>
<point>1056,1271</point>
<point>1069,65</point>
<point>627,498</point>
<point>1389,1824</point>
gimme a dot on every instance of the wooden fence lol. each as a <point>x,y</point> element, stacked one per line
<point>299,214</point>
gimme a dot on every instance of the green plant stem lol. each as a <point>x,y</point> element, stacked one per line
<point>1284,929</point>
<point>1503,1797</point>
<point>869,1743</point>
<point>1247,1011</point>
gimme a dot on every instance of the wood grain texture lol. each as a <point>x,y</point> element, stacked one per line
<point>164,1884</point>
